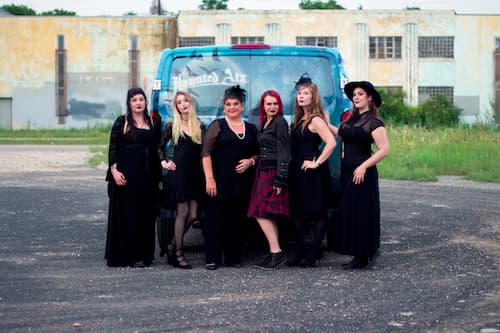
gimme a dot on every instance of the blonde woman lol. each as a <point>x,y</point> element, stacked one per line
<point>185,132</point>
<point>309,171</point>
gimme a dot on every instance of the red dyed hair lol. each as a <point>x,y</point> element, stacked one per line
<point>274,94</point>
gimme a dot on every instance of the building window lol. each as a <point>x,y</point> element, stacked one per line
<point>385,47</point>
<point>317,41</point>
<point>426,93</point>
<point>196,41</point>
<point>497,43</point>
<point>436,47</point>
<point>247,40</point>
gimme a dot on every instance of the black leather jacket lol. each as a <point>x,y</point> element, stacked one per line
<point>274,145</point>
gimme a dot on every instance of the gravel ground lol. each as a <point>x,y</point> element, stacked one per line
<point>438,270</point>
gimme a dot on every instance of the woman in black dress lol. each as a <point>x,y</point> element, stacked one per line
<point>184,171</point>
<point>270,197</point>
<point>133,176</point>
<point>309,171</point>
<point>358,224</point>
<point>228,155</point>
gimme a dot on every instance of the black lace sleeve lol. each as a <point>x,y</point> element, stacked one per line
<point>115,143</point>
<point>210,138</point>
<point>371,125</point>
<point>283,152</point>
<point>166,136</point>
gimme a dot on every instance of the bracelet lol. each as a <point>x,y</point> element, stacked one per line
<point>318,163</point>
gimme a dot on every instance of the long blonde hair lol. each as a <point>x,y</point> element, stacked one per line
<point>194,123</point>
<point>315,110</point>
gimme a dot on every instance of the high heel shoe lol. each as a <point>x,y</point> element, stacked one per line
<point>180,260</point>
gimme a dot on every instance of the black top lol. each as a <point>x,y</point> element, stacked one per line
<point>226,149</point>
<point>357,139</point>
<point>274,146</point>
<point>185,182</point>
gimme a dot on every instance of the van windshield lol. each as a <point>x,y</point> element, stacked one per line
<point>206,78</point>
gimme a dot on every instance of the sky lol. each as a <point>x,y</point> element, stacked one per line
<point>141,7</point>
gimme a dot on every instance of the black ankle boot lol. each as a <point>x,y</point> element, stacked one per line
<point>298,256</point>
<point>316,253</point>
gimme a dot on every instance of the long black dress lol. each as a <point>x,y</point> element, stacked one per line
<point>309,190</point>
<point>132,208</point>
<point>185,183</point>
<point>358,225</point>
<point>226,212</point>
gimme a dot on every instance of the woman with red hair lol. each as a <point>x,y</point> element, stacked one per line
<point>269,198</point>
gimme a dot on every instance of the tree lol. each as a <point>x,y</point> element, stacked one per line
<point>58,12</point>
<point>318,4</point>
<point>213,4</point>
<point>19,10</point>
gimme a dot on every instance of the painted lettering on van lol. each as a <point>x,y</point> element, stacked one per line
<point>183,82</point>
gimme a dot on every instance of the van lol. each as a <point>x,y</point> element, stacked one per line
<point>205,72</point>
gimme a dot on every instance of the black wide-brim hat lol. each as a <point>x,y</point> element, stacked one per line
<point>366,86</point>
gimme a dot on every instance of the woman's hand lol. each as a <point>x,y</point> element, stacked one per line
<point>244,164</point>
<point>169,165</point>
<point>119,177</point>
<point>308,164</point>
<point>277,190</point>
<point>359,175</point>
<point>211,187</point>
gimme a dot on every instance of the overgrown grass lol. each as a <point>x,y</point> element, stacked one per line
<point>424,154</point>
<point>94,135</point>
<point>416,153</point>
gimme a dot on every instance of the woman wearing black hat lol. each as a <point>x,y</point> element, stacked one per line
<point>358,225</point>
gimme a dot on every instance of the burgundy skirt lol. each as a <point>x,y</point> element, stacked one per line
<point>264,202</point>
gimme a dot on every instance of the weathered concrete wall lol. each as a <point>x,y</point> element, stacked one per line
<point>470,72</point>
<point>97,65</point>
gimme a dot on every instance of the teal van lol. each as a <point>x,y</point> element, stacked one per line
<point>205,72</point>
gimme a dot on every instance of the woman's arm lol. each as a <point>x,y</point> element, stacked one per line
<point>381,141</point>
<point>209,142</point>
<point>318,125</point>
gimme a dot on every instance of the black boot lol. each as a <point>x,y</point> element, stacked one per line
<point>315,254</point>
<point>298,256</point>
<point>272,261</point>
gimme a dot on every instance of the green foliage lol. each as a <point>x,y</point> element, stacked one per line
<point>318,4</point>
<point>58,12</point>
<point>27,11</point>
<point>432,113</point>
<point>412,8</point>
<point>19,10</point>
<point>439,111</point>
<point>213,4</point>
<point>130,14</point>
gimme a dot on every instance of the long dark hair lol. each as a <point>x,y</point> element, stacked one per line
<point>274,94</point>
<point>131,93</point>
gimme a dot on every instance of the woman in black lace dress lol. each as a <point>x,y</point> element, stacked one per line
<point>133,176</point>
<point>184,171</point>
<point>309,172</point>
<point>358,224</point>
<point>228,155</point>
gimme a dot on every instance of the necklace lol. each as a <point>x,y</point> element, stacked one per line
<point>240,136</point>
